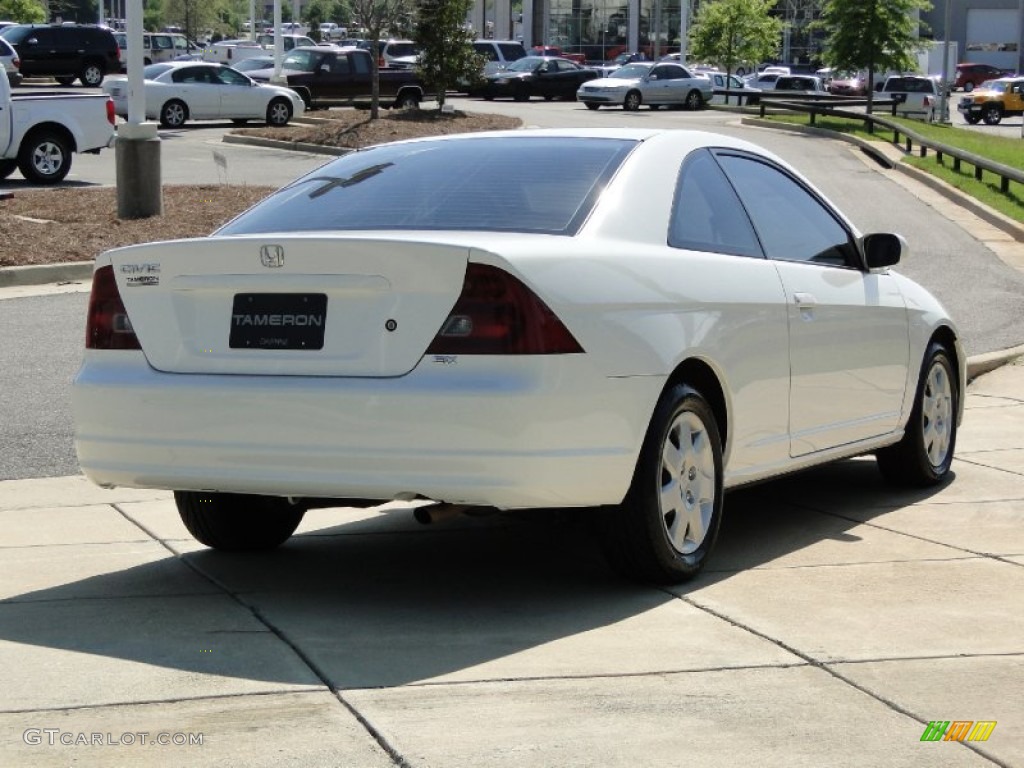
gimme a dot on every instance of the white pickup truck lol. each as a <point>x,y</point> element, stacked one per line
<point>39,133</point>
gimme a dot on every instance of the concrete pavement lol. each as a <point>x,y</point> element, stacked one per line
<point>837,620</point>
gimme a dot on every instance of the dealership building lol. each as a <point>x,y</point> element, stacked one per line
<point>989,31</point>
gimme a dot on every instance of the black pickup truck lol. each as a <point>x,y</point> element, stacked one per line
<point>325,76</point>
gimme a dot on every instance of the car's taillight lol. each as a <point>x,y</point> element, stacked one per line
<point>497,315</point>
<point>108,326</point>
<point>111,117</point>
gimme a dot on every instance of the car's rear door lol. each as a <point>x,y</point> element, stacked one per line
<point>848,332</point>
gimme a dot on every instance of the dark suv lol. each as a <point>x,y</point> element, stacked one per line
<point>65,51</point>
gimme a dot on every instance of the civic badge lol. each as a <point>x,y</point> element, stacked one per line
<point>272,255</point>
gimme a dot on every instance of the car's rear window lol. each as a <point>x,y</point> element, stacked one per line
<point>543,185</point>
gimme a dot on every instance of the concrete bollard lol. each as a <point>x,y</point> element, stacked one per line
<point>139,191</point>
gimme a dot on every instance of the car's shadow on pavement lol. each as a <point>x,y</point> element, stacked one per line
<point>383,601</point>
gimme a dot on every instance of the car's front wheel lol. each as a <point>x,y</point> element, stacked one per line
<point>238,522</point>
<point>972,118</point>
<point>669,520</point>
<point>925,454</point>
<point>173,114</point>
<point>592,105</point>
<point>992,114</point>
<point>279,112</point>
<point>694,100</point>
<point>64,80</point>
<point>632,101</point>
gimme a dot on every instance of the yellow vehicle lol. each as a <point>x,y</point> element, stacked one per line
<point>992,102</point>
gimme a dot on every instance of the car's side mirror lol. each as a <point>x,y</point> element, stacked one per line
<point>882,249</point>
<point>32,41</point>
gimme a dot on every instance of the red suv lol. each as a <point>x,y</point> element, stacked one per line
<point>970,75</point>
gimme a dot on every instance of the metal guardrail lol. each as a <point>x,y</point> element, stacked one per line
<point>826,105</point>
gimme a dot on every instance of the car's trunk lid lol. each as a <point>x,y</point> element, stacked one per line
<point>295,305</point>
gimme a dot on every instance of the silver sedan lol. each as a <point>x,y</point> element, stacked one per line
<point>652,83</point>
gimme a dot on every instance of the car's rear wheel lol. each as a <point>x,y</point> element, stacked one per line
<point>279,112</point>
<point>520,93</point>
<point>992,114</point>
<point>590,105</point>
<point>7,168</point>
<point>92,75</point>
<point>669,520</point>
<point>632,101</point>
<point>925,454</point>
<point>64,80</point>
<point>694,100</point>
<point>408,100</point>
<point>173,114</point>
<point>237,522</point>
<point>44,157</point>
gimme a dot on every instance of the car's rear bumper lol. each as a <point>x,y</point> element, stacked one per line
<point>506,432</point>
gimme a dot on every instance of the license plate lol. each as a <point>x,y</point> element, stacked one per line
<point>278,321</point>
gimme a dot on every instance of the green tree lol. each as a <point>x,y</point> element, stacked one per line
<point>447,56</point>
<point>23,11</point>
<point>729,32</point>
<point>376,17</point>
<point>871,34</point>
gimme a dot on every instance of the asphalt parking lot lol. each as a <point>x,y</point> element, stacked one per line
<point>837,622</point>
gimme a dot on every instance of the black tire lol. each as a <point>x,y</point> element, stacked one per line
<point>235,522</point>
<point>92,74</point>
<point>64,80</point>
<point>173,114</point>
<point>632,101</point>
<point>641,539</point>
<point>520,93</point>
<point>279,112</point>
<point>591,105</point>
<point>925,454</point>
<point>694,100</point>
<point>488,97</point>
<point>7,168</point>
<point>239,121</point>
<point>972,118</point>
<point>654,107</point>
<point>407,100</point>
<point>992,114</point>
<point>548,97</point>
<point>44,157</point>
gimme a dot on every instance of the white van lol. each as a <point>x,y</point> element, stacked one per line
<point>498,54</point>
<point>157,46</point>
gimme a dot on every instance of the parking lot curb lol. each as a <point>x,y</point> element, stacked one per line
<point>292,146</point>
<point>39,274</point>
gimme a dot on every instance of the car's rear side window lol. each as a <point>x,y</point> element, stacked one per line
<point>544,185</point>
<point>707,215</point>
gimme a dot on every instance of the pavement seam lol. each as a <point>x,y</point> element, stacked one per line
<point>988,466</point>
<point>154,702</point>
<point>968,554</point>
<point>378,737</point>
<point>824,667</point>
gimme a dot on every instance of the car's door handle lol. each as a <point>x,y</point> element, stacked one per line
<point>804,299</point>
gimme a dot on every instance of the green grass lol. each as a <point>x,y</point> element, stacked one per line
<point>999,149</point>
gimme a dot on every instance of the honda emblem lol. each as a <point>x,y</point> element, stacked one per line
<point>272,255</point>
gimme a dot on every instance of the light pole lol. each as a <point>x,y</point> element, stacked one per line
<point>944,86</point>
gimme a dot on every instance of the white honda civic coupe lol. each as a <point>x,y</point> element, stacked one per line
<point>626,320</point>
